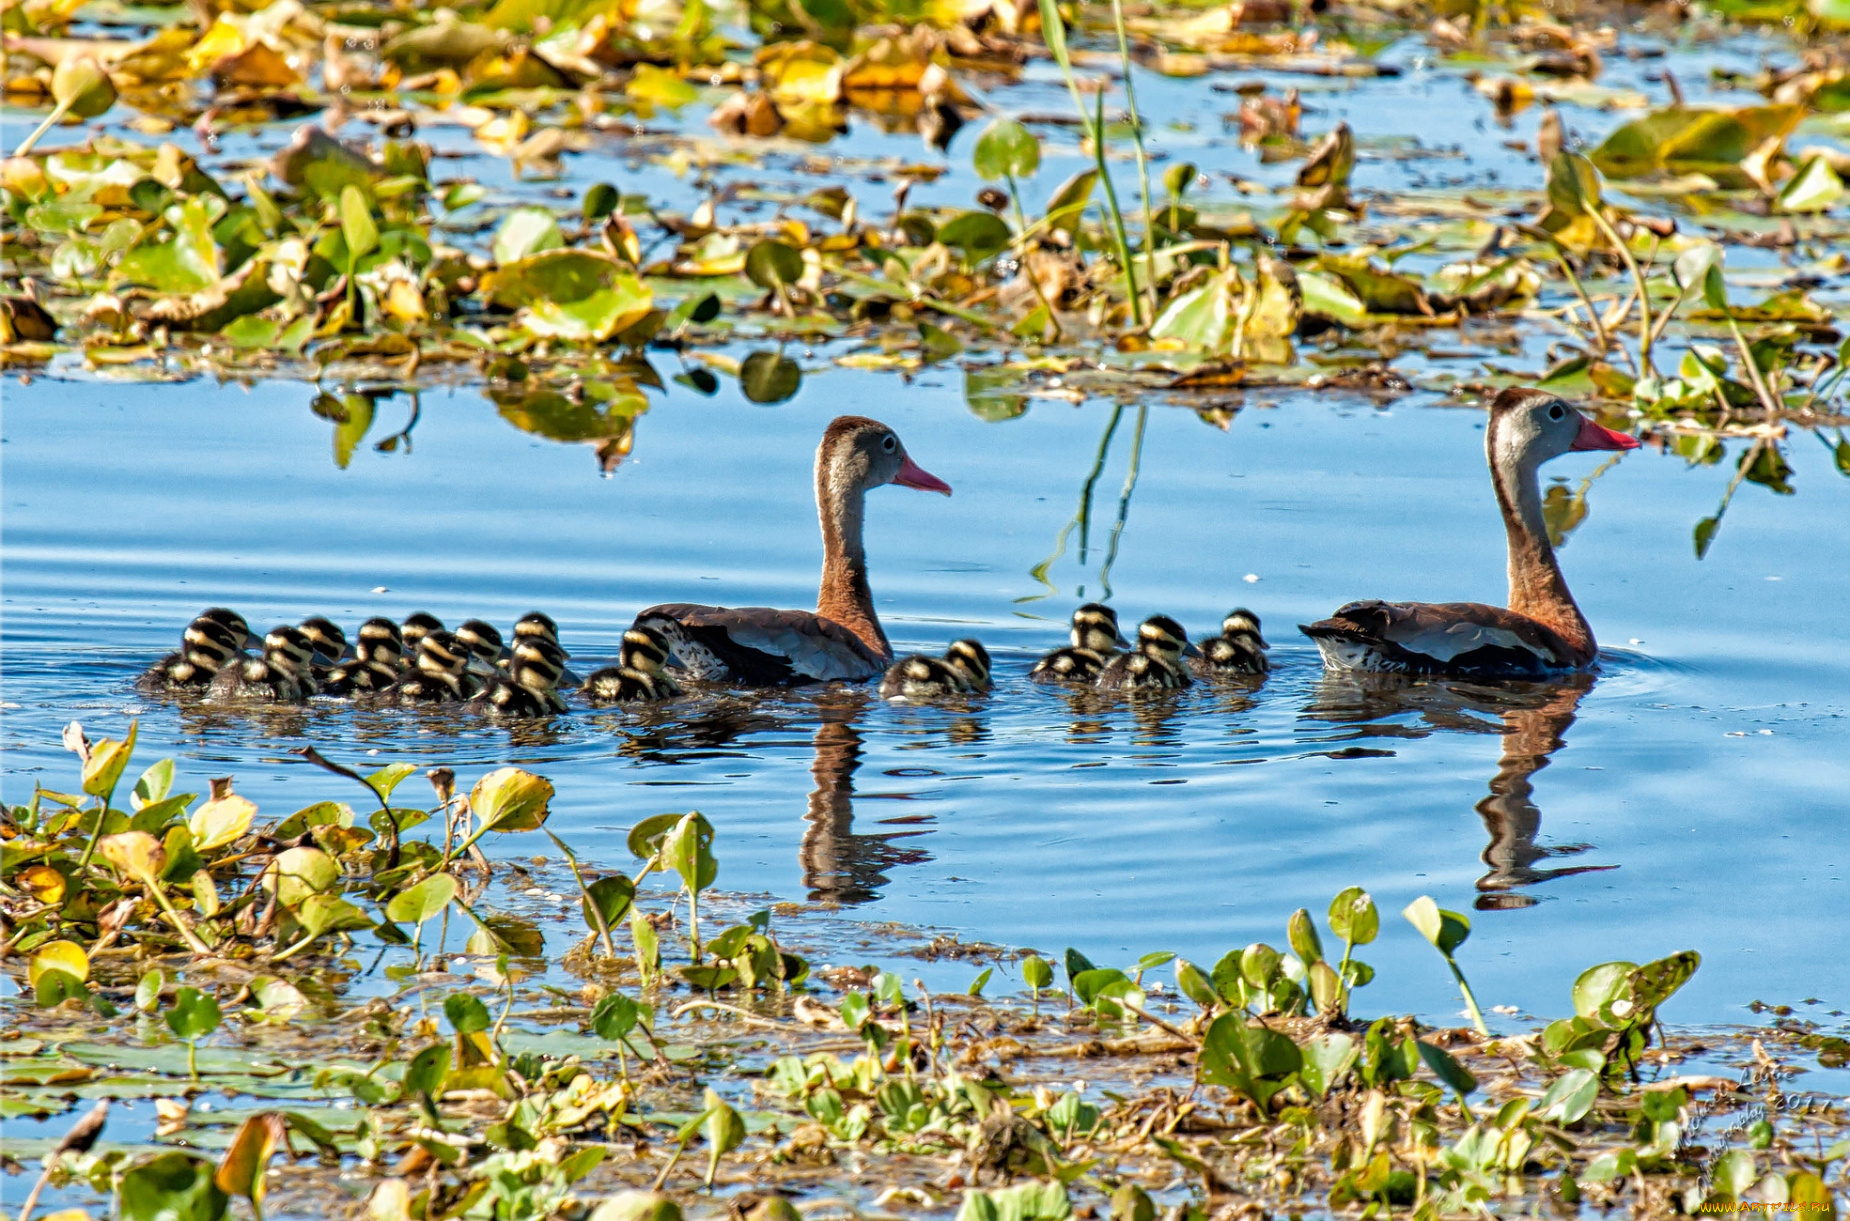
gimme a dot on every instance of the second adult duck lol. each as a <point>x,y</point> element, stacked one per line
<point>842,637</point>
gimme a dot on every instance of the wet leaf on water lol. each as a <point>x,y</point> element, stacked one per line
<point>1251,1060</point>
<point>1031,1201</point>
<point>524,232</point>
<point>193,1014</point>
<point>467,1014</point>
<point>772,264</point>
<point>67,965</point>
<point>171,1187</point>
<point>241,1170</point>
<point>572,294</point>
<point>939,344</point>
<point>1006,149</point>
<point>416,904</point>
<point>1691,140</point>
<point>767,377</point>
<point>188,262</point>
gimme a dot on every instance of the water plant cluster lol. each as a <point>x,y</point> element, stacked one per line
<point>288,994</point>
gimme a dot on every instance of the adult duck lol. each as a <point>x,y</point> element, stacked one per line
<point>842,638</point>
<point>1542,631</point>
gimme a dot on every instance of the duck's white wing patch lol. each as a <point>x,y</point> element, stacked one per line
<point>1444,642</point>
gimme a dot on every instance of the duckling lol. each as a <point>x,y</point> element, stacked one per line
<point>1239,649</point>
<point>417,625</point>
<point>227,618</point>
<point>482,640</point>
<point>329,643</point>
<point>440,673</point>
<point>206,647</point>
<point>1096,640</point>
<point>639,675</point>
<point>963,669</point>
<point>540,626</point>
<point>1157,662</point>
<point>281,676</point>
<point>531,687</point>
<point>378,661</point>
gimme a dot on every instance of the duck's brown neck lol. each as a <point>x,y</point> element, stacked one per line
<point>845,596</point>
<point>1537,588</point>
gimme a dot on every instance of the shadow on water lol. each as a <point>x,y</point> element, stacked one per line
<point>1533,720</point>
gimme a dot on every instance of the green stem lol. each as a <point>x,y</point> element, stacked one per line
<point>1143,165</point>
<point>57,112</point>
<point>1477,1015</point>
<point>1645,332</point>
<point>1117,214</point>
<point>1027,270</point>
<point>192,1058</point>
<point>693,921</point>
<point>603,927</point>
<point>186,930</point>
<point>102,818</point>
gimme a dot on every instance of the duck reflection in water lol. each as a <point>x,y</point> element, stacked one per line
<point>1533,719</point>
<point>840,866</point>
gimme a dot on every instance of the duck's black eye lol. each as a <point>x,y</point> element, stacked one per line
<point>1556,411</point>
<point>889,443</point>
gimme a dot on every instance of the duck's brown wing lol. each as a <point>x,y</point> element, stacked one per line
<point>762,647</point>
<point>1439,638</point>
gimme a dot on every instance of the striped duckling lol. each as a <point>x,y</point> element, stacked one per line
<point>640,675</point>
<point>283,675</point>
<point>963,670</point>
<point>538,625</point>
<point>378,661</point>
<point>329,643</point>
<point>212,641</point>
<point>1239,649</point>
<point>530,687</point>
<point>417,625</point>
<point>483,640</point>
<point>443,672</point>
<point>1096,640</point>
<point>1156,662</point>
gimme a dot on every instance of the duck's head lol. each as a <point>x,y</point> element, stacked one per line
<point>858,453</point>
<point>481,639</point>
<point>211,645</point>
<point>537,664</point>
<point>537,625</point>
<point>417,625</point>
<point>970,659</point>
<point>1162,637</point>
<point>1095,627</point>
<point>232,621</point>
<point>325,636</point>
<point>288,649</point>
<point>440,653</point>
<point>644,649</point>
<point>379,639</point>
<point>1240,620</point>
<point>1528,427</point>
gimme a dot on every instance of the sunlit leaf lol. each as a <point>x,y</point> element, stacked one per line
<point>509,799</point>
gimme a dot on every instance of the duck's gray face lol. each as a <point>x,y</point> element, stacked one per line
<point>1528,427</point>
<point>1161,636</point>
<point>858,453</point>
<point>970,659</point>
<point>1095,627</point>
<point>644,649</point>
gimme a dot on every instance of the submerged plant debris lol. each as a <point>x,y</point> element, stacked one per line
<point>289,997</point>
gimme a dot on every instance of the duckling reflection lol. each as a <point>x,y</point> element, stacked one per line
<point>838,865</point>
<point>1532,718</point>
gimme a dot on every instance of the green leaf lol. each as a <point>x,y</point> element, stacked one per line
<point>416,904</point>
<point>187,263</point>
<point>171,1187</point>
<point>768,377</point>
<point>978,234</point>
<point>1053,33</point>
<point>1203,317</point>
<point>390,777</point>
<point>772,264</point>
<point>194,1014</point>
<point>1195,985</point>
<point>467,1014</point>
<point>356,224</point>
<point>1657,981</point>
<point>1327,297</point>
<point>1446,930</point>
<point>1006,149</point>
<point>725,1131</point>
<point>980,982</point>
<point>1030,1201</point>
<point>103,771</point>
<point>1735,1172</point>
<point>1569,1098</point>
<point>601,199</point>
<point>612,897</point>
<point>1353,916</point>
<point>939,344</point>
<point>525,232</point>
<point>1301,932</point>
<point>297,873</point>
<point>425,1074</point>
<point>1249,1059</point>
<point>686,851</point>
<point>615,1017</point>
<point>1326,1059</point>
<point>1088,984</point>
<point>637,1206</point>
<point>509,799</point>
<point>154,785</point>
<point>322,914</point>
<point>1598,986</point>
<point>1036,972</point>
<point>1447,1068</point>
<point>241,1170</point>
<point>660,86</point>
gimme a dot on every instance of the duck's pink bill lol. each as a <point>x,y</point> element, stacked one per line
<point>1597,436</point>
<point>912,475</point>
